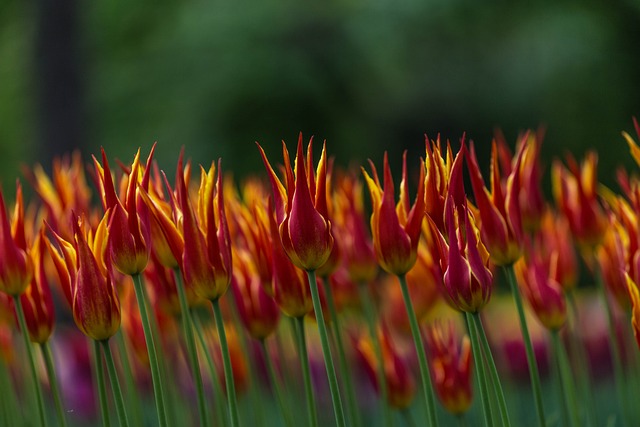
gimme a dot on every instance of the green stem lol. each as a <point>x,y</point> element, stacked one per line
<point>254,391</point>
<point>115,384</point>
<point>9,403</point>
<point>566,380</point>
<point>422,358</point>
<point>275,382</point>
<point>531,358</point>
<point>156,379</point>
<point>187,330</point>
<point>580,352</point>
<point>306,372</point>
<point>102,393</point>
<point>462,421</point>
<point>493,371</point>
<point>45,348</point>
<point>352,403</point>
<point>326,350</point>
<point>226,360</point>
<point>480,373</point>
<point>135,408</point>
<point>32,363</point>
<point>215,380</point>
<point>614,347</point>
<point>370,316</point>
<point>408,419</point>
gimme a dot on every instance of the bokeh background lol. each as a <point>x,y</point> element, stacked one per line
<point>367,76</point>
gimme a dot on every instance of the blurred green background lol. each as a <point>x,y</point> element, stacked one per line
<point>368,76</point>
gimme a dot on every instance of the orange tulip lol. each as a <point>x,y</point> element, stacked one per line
<point>16,266</point>
<point>96,307</point>
<point>305,228</point>
<point>451,367</point>
<point>500,215</point>
<point>395,228</point>
<point>129,230</point>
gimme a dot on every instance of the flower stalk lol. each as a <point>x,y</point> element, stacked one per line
<point>32,364</point>
<point>531,358</point>
<point>226,360</point>
<point>326,350</point>
<point>156,379</point>
<point>427,386</point>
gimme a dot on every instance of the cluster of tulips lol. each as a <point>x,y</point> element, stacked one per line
<point>212,290</point>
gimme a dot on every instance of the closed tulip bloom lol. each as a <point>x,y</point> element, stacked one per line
<point>450,361</point>
<point>463,259</point>
<point>499,210</point>
<point>401,386</point>
<point>438,164</point>
<point>96,307</point>
<point>66,191</point>
<point>304,225</point>
<point>395,228</point>
<point>359,259</point>
<point>258,311</point>
<point>290,284</point>
<point>16,266</point>
<point>129,230</point>
<point>544,294</point>
<point>206,260</point>
<point>575,192</point>
<point>37,300</point>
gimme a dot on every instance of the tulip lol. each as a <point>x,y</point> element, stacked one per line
<point>129,230</point>
<point>451,367</point>
<point>258,311</point>
<point>16,265</point>
<point>305,229</point>
<point>305,234</point>
<point>499,209</point>
<point>464,260</point>
<point>396,233</point>
<point>400,383</point>
<point>438,164</point>
<point>395,229</point>
<point>575,192</point>
<point>543,293</point>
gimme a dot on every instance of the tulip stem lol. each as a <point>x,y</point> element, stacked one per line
<point>462,421</point>
<point>422,357</point>
<point>566,382</point>
<point>614,347</point>
<point>156,379</point>
<point>9,403</point>
<point>226,360</point>
<point>275,383</point>
<point>370,316</point>
<point>32,363</point>
<point>187,330</point>
<point>408,419</point>
<point>115,384</point>
<point>102,394</point>
<point>135,409</point>
<point>493,371</point>
<point>306,372</point>
<point>353,410</point>
<point>253,392</point>
<point>531,357</point>
<point>45,348</point>
<point>218,392</point>
<point>326,350</point>
<point>481,375</point>
<point>577,348</point>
